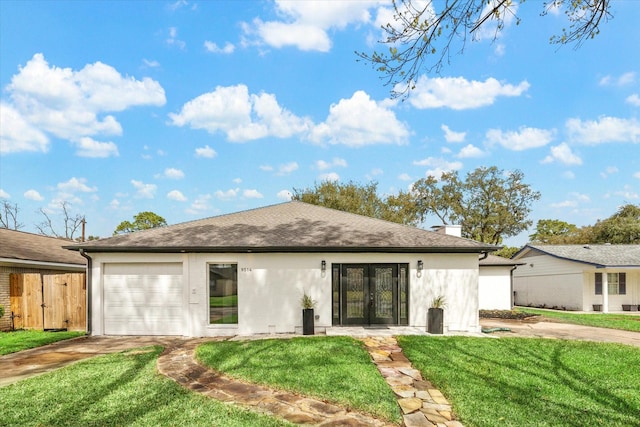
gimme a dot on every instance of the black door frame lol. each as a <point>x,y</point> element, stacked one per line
<point>400,278</point>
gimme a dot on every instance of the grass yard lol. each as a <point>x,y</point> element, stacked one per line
<point>11,342</point>
<point>116,390</point>
<point>336,369</point>
<point>531,382</point>
<point>625,322</point>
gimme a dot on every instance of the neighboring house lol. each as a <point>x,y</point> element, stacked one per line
<point>578,277</point>
<point>22,253</point>
<point>246,273</point>
<point>495,287</point>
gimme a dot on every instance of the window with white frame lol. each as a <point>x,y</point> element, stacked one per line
<point>223,293</point>
<point>616,283</point>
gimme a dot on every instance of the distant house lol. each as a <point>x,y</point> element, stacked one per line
<point>495,287</point>
<point>246,273</point>
<point>25,253</point>
<point>578,277</point>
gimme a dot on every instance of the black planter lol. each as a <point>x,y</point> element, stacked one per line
<point>597,307</point>
<point>307,321</point>
<point>626,307</point>
<point>435,318</point>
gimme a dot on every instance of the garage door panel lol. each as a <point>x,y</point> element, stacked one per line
<point>143,299</point>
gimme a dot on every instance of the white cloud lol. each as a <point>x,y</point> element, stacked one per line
<point>214,48</point>
<point>622,80</point>
<point>627,193</point>
<point>565,204</point>
<point>489,29</point>
<point>4,194</point>
<point>173,39</point>
<point>75,185</point>
<point>305,24</point>
<point>252,194</point>
<point>89,147</point>
<point>562,153</point>
<point>633,99</point>
<point>404,177</point>
<point>241,116</point>
<point>71,104</point>
<point>336,162</point>
<point>451,136</point>
<point>360,121</point>
<point>604,130</point>
<point>17,134</point>
<point>231,193</point>
<point>266,168</point>
<point>173,173</point>
<point>459,93</point>
<point>206,152</point>
<point>284,195</point>
<point>635,175</point>
<point>470,151</point>
<point>150,63</point>
<point>176,195</point>
<point>287,168</point>
<point>331,176</point>
<point>33,195</point>
<point>438,166</point>
<point>144,191</point>
<point>200,205</point>
<point>523,139</point>
<point>610,170</point>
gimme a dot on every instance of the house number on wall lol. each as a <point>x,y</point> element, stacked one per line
<point>245,269</point>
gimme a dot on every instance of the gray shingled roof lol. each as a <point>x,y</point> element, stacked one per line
<point>498,261</point>
<point>597,255</point>
<point>286,227</point>
<point>18,245</point>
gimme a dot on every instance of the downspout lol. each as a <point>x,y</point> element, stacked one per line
<point>89,288</point>
<point>511,285</point>
<point>484,255</point>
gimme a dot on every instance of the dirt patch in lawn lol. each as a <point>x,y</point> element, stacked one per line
<point>509,314</point>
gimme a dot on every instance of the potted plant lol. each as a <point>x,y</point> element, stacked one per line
<point>435,315</point>
<point>308,305</point>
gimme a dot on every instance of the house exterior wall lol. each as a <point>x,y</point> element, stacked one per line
<point>631,297</point>
<point>494,288</point>
<point>549,281</point>
<point>270,286</point>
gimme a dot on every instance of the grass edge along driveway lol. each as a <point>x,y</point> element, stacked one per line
<point>115,390</point>
<point>14,341</point>
<point>531,381</point>
<point>624,322</point>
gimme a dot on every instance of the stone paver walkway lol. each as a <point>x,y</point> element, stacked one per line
<point>422,404</point>
<point>179,364</point>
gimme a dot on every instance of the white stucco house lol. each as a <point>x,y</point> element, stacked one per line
<point>246,273</point>
<point>495,287</point>
<point>578,277</point>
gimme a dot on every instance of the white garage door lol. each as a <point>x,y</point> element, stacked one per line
<point>142,299</point>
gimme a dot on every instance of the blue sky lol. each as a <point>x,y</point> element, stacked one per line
<point>192,109</point>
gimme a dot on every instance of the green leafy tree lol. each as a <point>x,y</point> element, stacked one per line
<point>423,34</point>
<point>623,227</point>
<point>141,221</point>
<point>489,204</point>
<point>360,199</point>
<point>553,231</point>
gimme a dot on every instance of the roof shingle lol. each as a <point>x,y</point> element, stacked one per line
<point>23,246</point>
<point>598,255</point>
<point>286,227</point>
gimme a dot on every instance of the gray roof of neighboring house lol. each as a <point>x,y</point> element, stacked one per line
<point>34,248</point>
<point>498,261</point>
<point>597,255</point>
<point>286,227</point>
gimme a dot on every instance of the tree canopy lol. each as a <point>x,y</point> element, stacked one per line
<point>424,32</point>
<point>490,204</point>
<point>360,199</point>
<point>141,221</point>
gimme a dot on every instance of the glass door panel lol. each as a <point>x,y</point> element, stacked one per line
<point>355,294</point>
<point>384,295</point>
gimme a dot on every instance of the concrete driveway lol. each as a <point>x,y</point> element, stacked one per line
<point>17,366</point>
<point>544,329</point>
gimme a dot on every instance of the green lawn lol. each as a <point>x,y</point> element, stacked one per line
<point>226,301</point>
<point>532,382</point>
<point>11,342</point>
<point>336,369</point>
<point>122,389</point>
<point>625,322</point>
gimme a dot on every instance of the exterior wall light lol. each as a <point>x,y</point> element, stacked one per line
<point>420,266</point>
<point>324,265</point>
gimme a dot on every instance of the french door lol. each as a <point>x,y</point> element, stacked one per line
<point>370,294</point>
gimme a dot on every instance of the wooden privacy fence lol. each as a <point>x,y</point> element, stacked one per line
<point>48,301</point>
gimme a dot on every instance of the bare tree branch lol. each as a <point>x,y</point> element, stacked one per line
<point>9,216</point>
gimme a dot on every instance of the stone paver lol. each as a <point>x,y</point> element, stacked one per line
<point>179,363</point>
<point>421,403</point>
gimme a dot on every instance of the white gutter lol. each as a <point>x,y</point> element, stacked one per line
<point>54,265</point>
